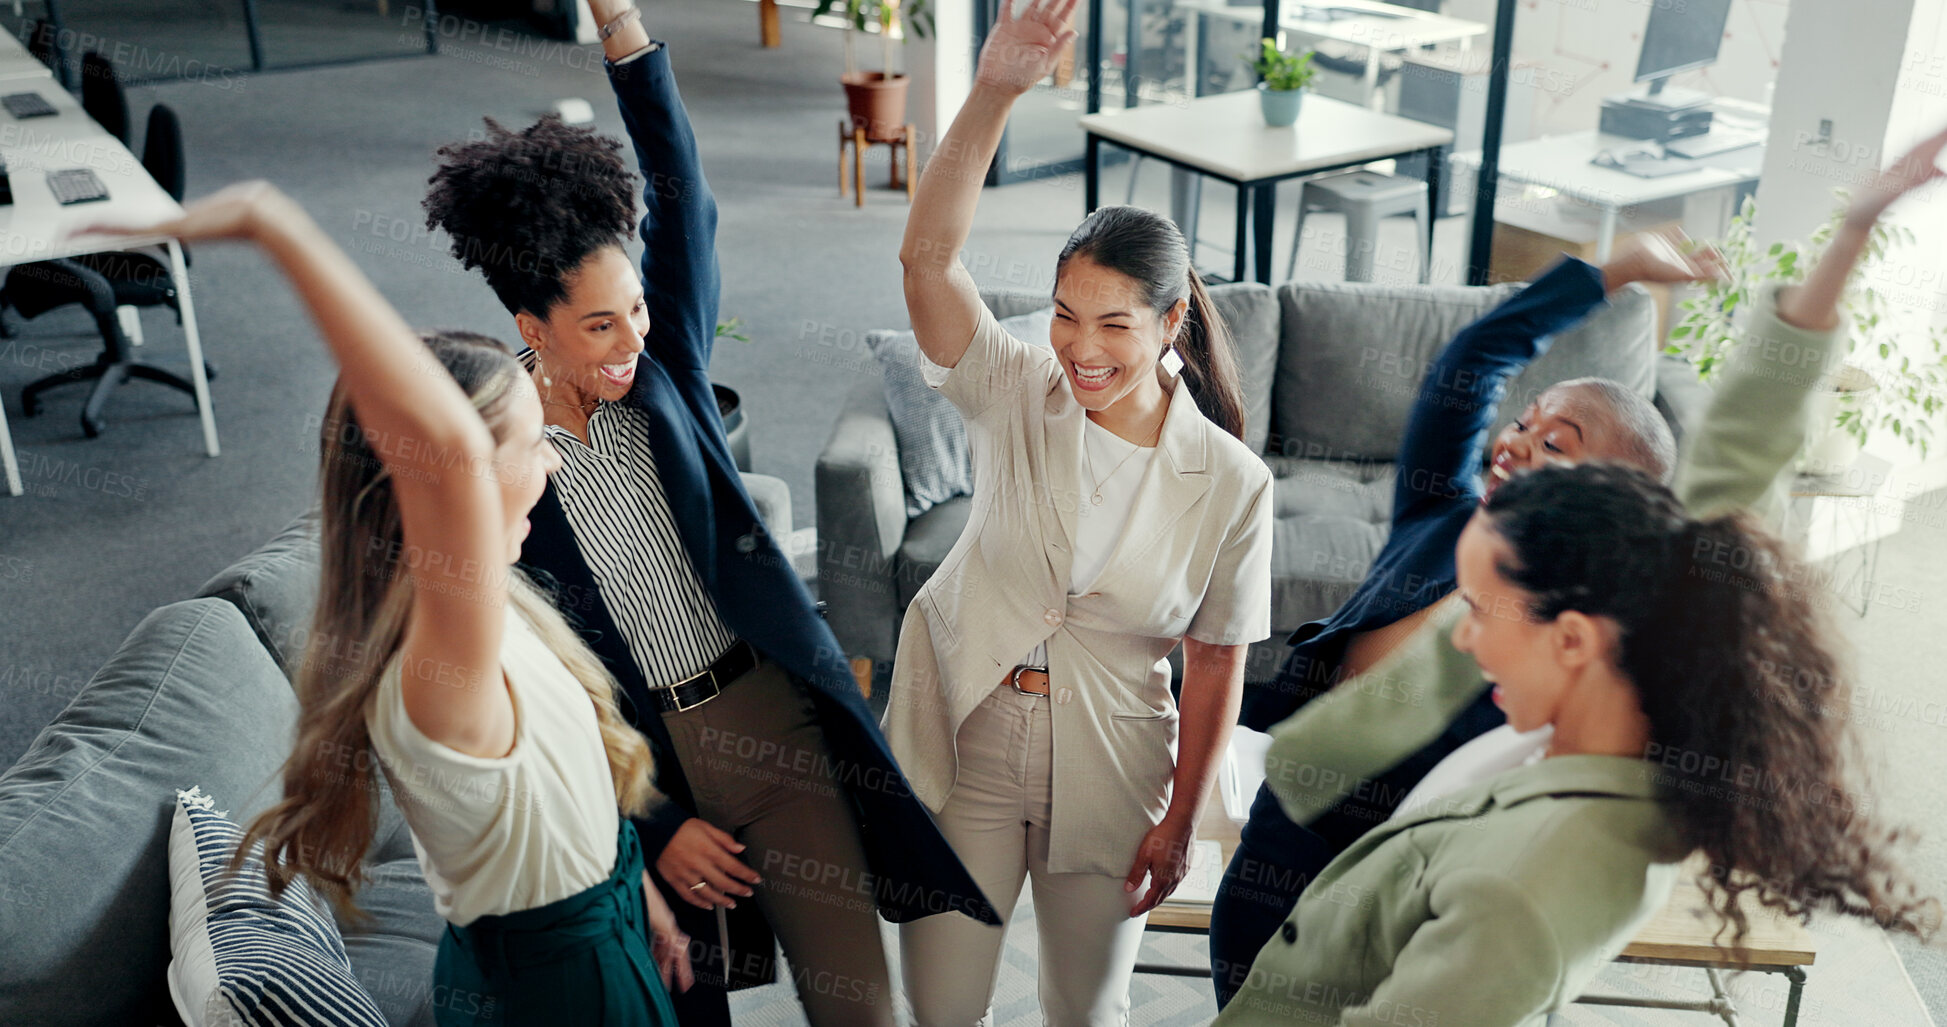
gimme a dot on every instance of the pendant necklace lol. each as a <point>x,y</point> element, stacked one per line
<point>1096,498</point>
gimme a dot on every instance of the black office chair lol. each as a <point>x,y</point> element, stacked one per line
<point>102,96</point>
<point>162,150</point>
<point>102,283</point>
<point>40,40</point>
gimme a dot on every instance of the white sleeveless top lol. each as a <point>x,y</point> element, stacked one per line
<point>502,835</point>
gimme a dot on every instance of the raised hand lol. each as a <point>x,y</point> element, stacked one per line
<point>1656,257</point>
<point>238,211</point>
<point>1914,169</point>
<point>1025,44</point>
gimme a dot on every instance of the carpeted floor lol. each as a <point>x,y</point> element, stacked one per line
<point>113,527</point>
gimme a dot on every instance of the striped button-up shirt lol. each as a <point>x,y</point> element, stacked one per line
<point>625,531</point>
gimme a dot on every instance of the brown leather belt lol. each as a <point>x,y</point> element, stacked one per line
<point>1028,681</point>
<point>736,661</point>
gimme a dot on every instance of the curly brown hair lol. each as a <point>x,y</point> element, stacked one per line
<point>1736,667</point>
<point>528,207</point>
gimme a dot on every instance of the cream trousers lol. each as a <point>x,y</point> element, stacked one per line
<point>997,820</point>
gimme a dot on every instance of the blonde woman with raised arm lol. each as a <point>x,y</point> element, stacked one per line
<point>494,725</point>
<point>1116,515</point>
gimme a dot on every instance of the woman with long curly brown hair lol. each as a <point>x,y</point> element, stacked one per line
<point>434,662</point>
<point>1672,683</point>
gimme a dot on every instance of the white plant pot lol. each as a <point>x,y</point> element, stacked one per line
<point>1829,448</point>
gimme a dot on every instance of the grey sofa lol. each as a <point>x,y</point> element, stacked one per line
<point>1330,371</point>
<point>198,694</point>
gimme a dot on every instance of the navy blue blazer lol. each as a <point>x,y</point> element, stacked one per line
<point>1437,490</point>
<point>759,596</point>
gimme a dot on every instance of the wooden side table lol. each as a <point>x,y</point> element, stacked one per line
<point>854,136</point>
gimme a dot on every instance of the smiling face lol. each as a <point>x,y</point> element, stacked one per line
<point>589,341</point>
<point>1566,424</point>
<point>523,458</point>
<point>1106,335</point>
<point>1517,653</point>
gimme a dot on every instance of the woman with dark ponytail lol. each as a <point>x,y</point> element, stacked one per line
<point>1669,683</point>
<point>1116,515</point>
<point>1149,250</point>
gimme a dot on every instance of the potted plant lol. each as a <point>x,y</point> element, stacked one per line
<point>1284,78</point>
<point>877,99</point>
<point>1878,387</point>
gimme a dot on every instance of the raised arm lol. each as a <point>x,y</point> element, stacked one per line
<point>1023,48</point>
<point>1440,454</point>
<point>680,280</point>
<point>1458,403</point>
<point>1755,423</point>
<point>440,454</point>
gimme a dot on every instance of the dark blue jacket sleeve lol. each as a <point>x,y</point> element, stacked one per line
<point>679,229</point>
<point>1440,456</point>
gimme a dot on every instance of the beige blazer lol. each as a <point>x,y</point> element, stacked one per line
<point>1194,560</point>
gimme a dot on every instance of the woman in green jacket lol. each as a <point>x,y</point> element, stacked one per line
<point>1686,677</point>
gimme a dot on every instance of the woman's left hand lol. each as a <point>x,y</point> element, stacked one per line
<point>1165,856</point>
<point>668,945</point>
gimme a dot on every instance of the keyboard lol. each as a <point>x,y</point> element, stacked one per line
<point>76,185</point>
<point>28,105</point>
<point>1308,12</point>
<point>1715,141</point>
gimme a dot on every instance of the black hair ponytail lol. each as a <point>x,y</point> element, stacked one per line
<point>1149,248</point>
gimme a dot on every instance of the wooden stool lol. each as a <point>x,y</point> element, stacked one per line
<point>767,28</point>
<point>855,137</point>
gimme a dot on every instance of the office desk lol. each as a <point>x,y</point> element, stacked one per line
<point>35,227</point>
<point>1391,29</point>
<point>1225,137</point>
<point>17,62</point>
<point>1562,163</point>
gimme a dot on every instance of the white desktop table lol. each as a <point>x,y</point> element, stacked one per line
<point>1562,163</point>
<point>1390,29</point>
<point>17,62</point>
<point>1225,137</point>
<point>35,227</point>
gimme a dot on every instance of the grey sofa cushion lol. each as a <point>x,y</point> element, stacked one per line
<point>1251,313</point>
<point>1332,519</point>
<point>934,462</point>
<point>393,945</point>
<point>929,537</point>
<point>191,697</point>
<point>1351,401</point>
<point>276,588</point>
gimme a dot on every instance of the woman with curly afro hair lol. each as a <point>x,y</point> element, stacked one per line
<point>777,784</point>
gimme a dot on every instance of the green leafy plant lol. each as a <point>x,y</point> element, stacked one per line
<point>1282,72</point>
<point>888,15</point>
<point>1912,380</point>
<point>732,328</point>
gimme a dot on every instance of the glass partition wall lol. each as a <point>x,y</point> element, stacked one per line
<point>172,40</point>
<point>1128,53</point>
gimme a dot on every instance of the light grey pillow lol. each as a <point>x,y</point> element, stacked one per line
<point>934,462</point>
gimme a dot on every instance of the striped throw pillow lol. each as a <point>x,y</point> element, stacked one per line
<point>240,957</point>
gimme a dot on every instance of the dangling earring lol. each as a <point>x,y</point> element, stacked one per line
<point>1172,361</point>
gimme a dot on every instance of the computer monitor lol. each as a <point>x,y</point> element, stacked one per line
<point>1681,35</point>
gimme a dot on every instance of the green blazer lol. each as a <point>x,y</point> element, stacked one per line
<point>1486,909</point>
<point>1738,458</point>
